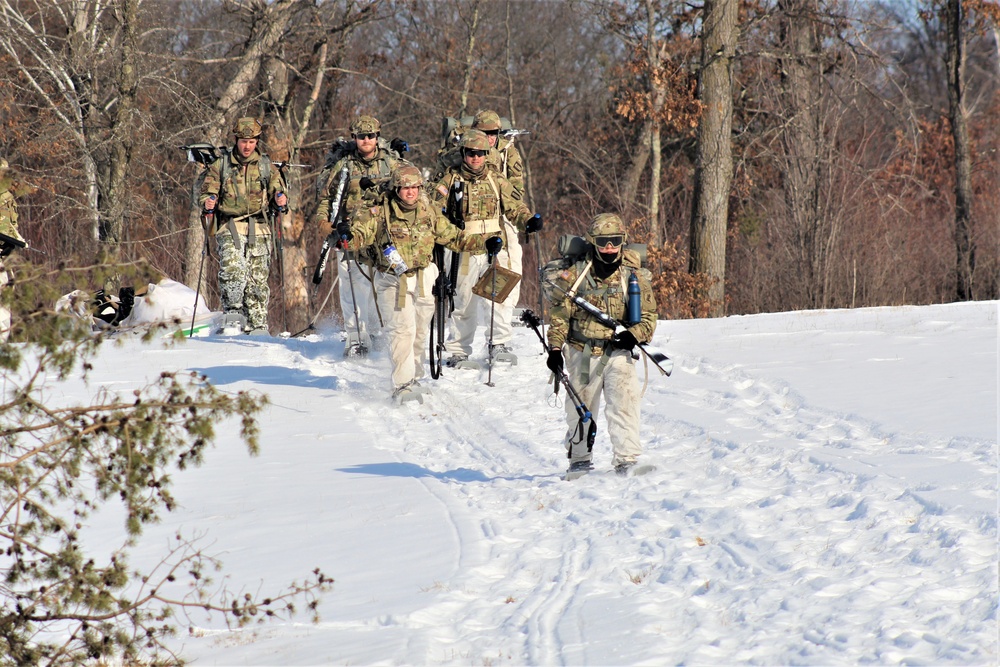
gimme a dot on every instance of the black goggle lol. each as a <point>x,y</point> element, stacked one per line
<point>475,152</point>
<point>366,135</point>
<point>614,240</point>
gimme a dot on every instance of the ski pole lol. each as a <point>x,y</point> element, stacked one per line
<point>312,322</point>
<point>532,321</point>
<point>493,307</point>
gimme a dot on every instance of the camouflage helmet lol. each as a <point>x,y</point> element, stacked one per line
<point>246,128</point>
<point>486,120</point>
<point>365,125</point>
<point>475,140</point>
<point>602,227</point>
<point>406,176</point>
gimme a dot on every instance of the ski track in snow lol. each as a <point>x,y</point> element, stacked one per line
<point>766,540</point>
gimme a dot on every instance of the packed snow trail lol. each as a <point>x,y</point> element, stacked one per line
<point>764,536</point>
<point>825,493</point>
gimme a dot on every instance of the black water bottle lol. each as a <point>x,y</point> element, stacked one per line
<point>633,313</point>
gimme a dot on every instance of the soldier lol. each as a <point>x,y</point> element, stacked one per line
<point>235,197</point>
<point>369,166</point>
<point>504,156</point>
<point>505,159</point>
<point>10,238</point>
<point>488,199</point>
<point>597,359</point>
<point>406,220</point>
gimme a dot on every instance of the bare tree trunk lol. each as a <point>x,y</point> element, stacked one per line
<point>964,247</point>
<point>655,62</point>
<point>114,201</point>
<point>714,166</point>
<point>469,51</point>
<point>802,142</point>
<point>630,187</point>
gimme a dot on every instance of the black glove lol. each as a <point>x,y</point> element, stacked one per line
<point>555,361</point>
<point>624,340</point>
<point>534,224</point>
<point>399,145</point>
<point>494,245</point>
<point>366,183</point>
<point>344,231</point>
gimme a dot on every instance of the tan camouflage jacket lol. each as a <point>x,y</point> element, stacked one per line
<point>571,324</point>
<point>242,196</point>
<point>487,197</point>
<point>378,169</point>
<point>414,233</point>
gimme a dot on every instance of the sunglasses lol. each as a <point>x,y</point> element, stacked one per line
<point>473,152</point>
<point>614,240</point>
<point>366,135</point>
<point>491,133</point>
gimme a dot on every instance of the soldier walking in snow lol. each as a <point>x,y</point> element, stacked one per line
<point>235,197</point>
<point>370,165</point>
<point>597,359</point>
<point>488,200</point>
<point>405,220</point>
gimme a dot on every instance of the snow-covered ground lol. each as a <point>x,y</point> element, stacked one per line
<point>825,492</point>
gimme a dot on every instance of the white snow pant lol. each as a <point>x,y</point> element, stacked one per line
<point>407,324</point>
<point>618,381</point>
<point>4,311</point>
<point>465,317</point>
<point>363,298</point>
<point>516,264</point>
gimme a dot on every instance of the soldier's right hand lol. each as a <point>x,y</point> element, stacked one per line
<point>209,204</point>
<point>344,231</point>
<point>555,361</point>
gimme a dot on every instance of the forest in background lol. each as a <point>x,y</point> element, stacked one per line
<point>862,135</point>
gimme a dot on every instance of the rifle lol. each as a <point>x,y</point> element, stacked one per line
<point>531,320</point>
<point>442,293</point>
<point>511,133</point>
<point>9,244</point>
<point>656,357</point>
<point>332,239</point>
<point>456,213</point>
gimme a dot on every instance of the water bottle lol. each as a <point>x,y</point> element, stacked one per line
<point>633,313</point>
<point>396,262</point>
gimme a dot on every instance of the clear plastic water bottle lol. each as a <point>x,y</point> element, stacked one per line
<point>396,262</point>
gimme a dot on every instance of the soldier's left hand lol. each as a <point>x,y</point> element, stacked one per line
<point>281,200</point>
<point>534,224</point>
<point>624,340</point>
<point>493,245</point>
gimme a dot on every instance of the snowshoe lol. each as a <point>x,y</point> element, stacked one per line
<point>411,391</point>
<point>502,353</point>
<point>462,361</point>
<point>633,469</point>
<point>578,469</point>
<point>355,350</point>
<point>232,324</point>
